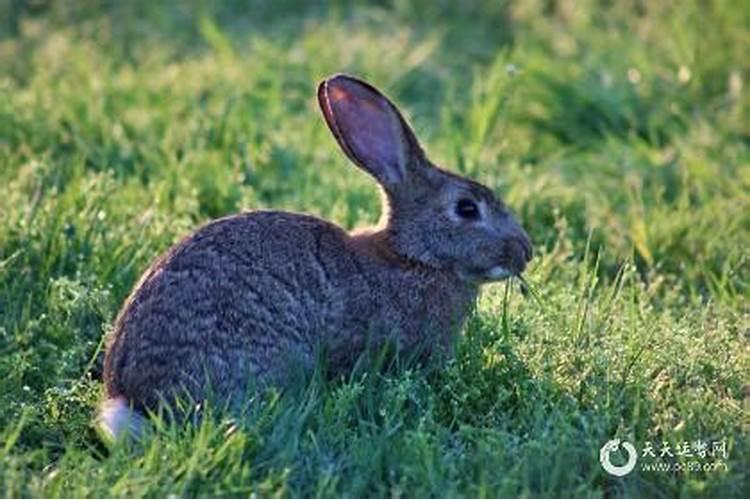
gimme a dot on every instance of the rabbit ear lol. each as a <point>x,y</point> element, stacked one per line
<point>369,128</point>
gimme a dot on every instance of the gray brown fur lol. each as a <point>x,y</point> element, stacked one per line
<point>249,298</point>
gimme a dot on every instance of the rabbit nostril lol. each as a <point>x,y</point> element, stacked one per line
<point>517,254</point>
<point>528,249</point>
<point>524,252</point>
<point>522,245</point>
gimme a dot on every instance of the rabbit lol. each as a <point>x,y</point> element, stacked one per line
<point>250,298</point>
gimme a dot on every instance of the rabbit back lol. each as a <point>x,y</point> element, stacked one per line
<point>223,305</point>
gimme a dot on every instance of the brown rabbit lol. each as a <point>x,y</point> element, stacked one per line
<point>249,298</point>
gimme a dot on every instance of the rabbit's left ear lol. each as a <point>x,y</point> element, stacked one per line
<point>369,129</point>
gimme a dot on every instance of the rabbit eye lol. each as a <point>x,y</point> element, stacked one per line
<point>467,209</point>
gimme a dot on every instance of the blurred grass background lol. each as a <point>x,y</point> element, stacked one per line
<point>619,132</point>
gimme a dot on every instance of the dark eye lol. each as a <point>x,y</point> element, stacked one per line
<point>467,209</point>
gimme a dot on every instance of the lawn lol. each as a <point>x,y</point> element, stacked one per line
<point>618,131</point>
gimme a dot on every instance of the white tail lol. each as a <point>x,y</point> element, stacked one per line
<point>117,418</point>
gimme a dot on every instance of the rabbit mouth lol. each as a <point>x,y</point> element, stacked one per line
<point>495,273</point>
<point>498,273</point>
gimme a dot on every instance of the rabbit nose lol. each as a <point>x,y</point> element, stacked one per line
<point>528,249</point>
<point>521,252</point>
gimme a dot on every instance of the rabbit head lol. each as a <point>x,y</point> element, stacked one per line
<point>431,216</point>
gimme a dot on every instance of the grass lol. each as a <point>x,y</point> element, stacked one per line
<point>618,131</point>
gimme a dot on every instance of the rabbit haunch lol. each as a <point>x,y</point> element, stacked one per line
<point>255,298</point>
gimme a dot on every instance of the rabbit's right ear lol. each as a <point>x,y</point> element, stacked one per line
<point>369,128</point>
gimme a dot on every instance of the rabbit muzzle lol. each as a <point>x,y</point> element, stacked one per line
<point>516,252</point>
<point>519,253</point>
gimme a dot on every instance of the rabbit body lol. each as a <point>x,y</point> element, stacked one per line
<point>251,296</point>
<point>256,298</point>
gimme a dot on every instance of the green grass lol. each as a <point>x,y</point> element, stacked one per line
<point>619,131</point>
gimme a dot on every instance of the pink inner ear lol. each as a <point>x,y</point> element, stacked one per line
<point>370,129</point>
<point>337,93</point>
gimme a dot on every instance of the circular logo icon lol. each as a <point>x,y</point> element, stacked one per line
<point>614,445</point>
